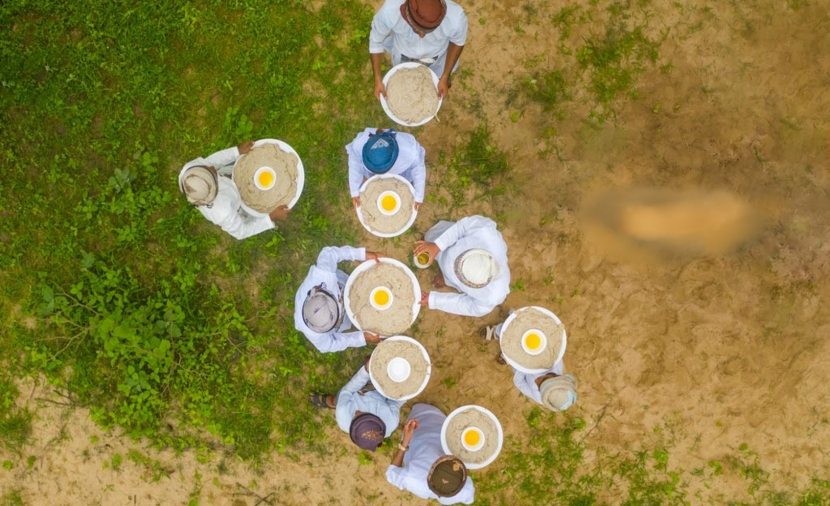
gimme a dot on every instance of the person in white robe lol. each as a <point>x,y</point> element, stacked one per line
<point>429,32</point>
<point>420,465</point>
<point>319,312</point>
<point>364,413</point>
<point>207,184</point>
<point>376,151</point>
<point>472,257</point>
<point>551,388</point>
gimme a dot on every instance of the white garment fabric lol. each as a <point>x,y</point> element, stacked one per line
<point>350,400</point>
<point>453,239</point>
<point>526,383</point>
<point>390,32</point>
<point>424,449</point>
<point>410,165</point>
<point>326,271</point>
<point>226,209</point>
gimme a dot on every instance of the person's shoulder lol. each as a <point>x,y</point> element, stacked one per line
<point>406,140</point>
<point>390,8</point>
<point>455,12</point>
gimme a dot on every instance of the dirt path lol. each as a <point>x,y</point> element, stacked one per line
<point>719,350</point>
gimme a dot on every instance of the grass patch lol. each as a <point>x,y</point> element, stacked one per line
<point>606,63</point>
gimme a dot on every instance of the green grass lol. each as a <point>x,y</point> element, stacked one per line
<point>606,63</point>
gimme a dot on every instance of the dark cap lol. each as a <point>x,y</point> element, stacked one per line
<point>447,476</point>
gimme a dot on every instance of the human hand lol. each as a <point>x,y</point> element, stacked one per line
<point>424,299</point>
<point>356,201</point>
<point>443,87</point>
<point>408,430</point>
<point>245,147</point>
<point>380,89</point>
<point>372,338</point>
<point>367,362</point>
<point>371,255</point>
<point>418,205</point>
<point>430,248</point>
<point>279,213</point>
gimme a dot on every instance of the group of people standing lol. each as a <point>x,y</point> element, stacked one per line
<point>471,255</point>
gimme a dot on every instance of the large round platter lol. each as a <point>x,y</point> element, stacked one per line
<point>426,378</point>
<point>416,307</point>
<point>360,213</point>
<point>490,415</point>
<point>394,70</point>
<point>300,174</point>
<point>561,350</point>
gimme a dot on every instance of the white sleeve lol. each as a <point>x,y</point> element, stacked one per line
<point>458,303</point>
<point>355,174</point>
<point>381,29</point>
<point>525,383</point>
<point>460,228</point>
<point>396,476</point>
<point>358,381</point>
<point>339,341</point>
<point>419,174</point>
<point>459,35</point>
<point>239,228</point>
<point>224,157</point>
<point>330,256</point>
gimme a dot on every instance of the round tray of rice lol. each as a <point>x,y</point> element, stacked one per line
<point>399,288</point>
<point>374,192</point>
<point>287,169</point>
<point>418,370</point>
<point>549,334</point>
<point>477,425</point>
<point>411,94</point>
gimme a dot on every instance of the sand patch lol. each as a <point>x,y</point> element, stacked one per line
<point>397,317</point>
<point>372,215</point>
<point>285,166</point>
<point>411,94</point>
<point>526,319</point>
<point>388,350</point>
<point>472,418</point>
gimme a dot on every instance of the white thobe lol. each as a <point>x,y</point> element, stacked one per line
<point>410,164</point>
<point>350,400</point>
<point>526,383</point>
<point>453,239</point>
<point>226,209</point>
<point>390,32</point>
<point>424,449</point>
<point>326,271</point>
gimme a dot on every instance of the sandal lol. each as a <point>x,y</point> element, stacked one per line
<point>487,332</point>
<point>320,400</point>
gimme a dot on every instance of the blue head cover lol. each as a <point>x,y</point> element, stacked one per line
<point>380,152</point>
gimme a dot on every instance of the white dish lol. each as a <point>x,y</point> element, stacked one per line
<point>512,317</point>
<point>300,175</point>
<point>259,172</point>
<point>542,344</point>
<point>416,306</point>
<point>389,193</point>
<point>398,369</point>
<point>394,70</point>
<point>481,439</point>
<point>411,219</point>
<point>426,377</point>
<point>487,412</point>
<point>379,306</point>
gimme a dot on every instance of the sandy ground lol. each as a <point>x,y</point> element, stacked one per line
<point>719,349</point>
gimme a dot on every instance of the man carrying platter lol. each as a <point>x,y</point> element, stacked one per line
<point>430,32</point>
